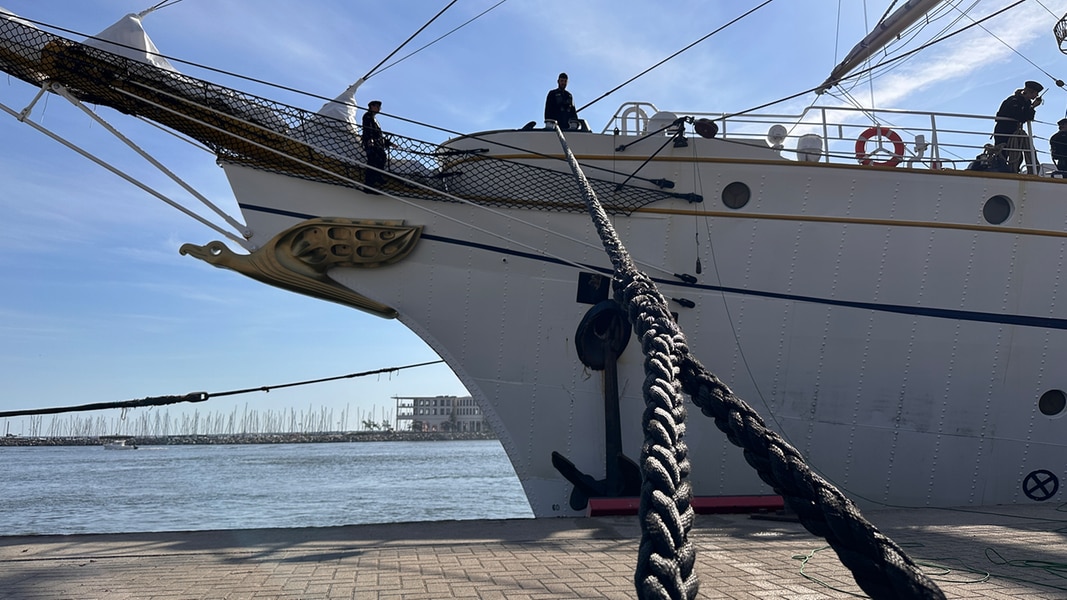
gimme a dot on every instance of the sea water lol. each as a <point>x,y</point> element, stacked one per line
<point>87,489</point>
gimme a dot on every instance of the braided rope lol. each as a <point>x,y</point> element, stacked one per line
<point>665,556</point>
<point>879,565</point>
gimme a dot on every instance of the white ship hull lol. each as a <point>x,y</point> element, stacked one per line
<point>873,317</point>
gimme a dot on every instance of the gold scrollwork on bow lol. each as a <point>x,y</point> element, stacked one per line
<point>299,258</point>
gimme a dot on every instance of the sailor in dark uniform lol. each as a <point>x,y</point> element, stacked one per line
<point>1058,145</point>
<point>375,143</point>
<point>1009,133</point>
<point>559,106</point>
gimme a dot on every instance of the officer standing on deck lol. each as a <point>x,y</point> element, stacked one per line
<point>374,143</point>
<point>1058,145</point>
<point>1009,134</point>
<point>559,106</point>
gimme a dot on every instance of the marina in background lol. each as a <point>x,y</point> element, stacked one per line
<point>429,414</point>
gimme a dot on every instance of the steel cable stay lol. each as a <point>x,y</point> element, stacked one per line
<point>133,180</point>
<point>666,557</point>
<point>242,228</point>
<point>677,136</point>
<point>884,63</point>
<point>380,68</point>
<point>407,41</point>
<point>201,396</point>
<point>823,87</point>
<point>168,3</point>
<point>672,56</point>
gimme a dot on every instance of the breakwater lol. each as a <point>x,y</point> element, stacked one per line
<point>253,438</point>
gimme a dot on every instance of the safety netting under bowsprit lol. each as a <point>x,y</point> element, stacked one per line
<point>250,130</point>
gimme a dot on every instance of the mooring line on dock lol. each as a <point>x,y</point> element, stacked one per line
<point>666,557</point>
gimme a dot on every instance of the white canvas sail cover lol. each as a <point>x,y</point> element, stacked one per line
<point>335,133</point>
<point>343,107</point>
<point>128,38</point>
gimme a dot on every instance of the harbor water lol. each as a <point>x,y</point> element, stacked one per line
<point>87,489</point>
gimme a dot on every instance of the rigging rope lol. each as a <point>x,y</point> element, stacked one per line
<point>909,53</point>
<point>642,73</point>
<point>912,32</point>
<point>175,60</point>
<point>198,396</point>
<point>880,65</point>
<point>407,41</point>
<point>665,556</point>
<point>157,6</point>
<point>439,38</point>
<point>1057,80</point>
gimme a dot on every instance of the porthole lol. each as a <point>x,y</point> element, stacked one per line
<point>736,195</point>
<point>997,209</point>
<point>1052,403</point>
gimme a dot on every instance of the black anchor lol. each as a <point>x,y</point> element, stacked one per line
<point>601,338</point>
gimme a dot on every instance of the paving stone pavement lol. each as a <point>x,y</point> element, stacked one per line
<point>990,553</point>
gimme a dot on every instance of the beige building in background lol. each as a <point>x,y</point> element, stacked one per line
<point>439,413</point>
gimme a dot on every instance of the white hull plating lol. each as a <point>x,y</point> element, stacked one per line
<point>872,316</point>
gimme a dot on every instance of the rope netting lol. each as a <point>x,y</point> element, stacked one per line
<point>271,136</point>
<point>666,556</point>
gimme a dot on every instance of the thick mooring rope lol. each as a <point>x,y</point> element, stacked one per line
<point>666,557</point>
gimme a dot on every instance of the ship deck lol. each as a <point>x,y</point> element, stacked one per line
<point>994,552</point>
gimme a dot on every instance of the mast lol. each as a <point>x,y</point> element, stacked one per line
<point>883,33</point>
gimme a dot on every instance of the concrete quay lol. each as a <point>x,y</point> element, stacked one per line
<point>991,553</point>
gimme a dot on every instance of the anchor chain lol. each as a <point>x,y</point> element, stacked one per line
<point>666,557</point>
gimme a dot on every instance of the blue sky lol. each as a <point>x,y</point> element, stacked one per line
<point>97,305</point>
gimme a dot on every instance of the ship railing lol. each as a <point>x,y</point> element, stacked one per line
<point>836,134</point>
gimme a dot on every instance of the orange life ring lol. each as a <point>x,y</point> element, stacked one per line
<point>865,158</point>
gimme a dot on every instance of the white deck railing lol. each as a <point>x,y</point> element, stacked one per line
<point>926,139</point>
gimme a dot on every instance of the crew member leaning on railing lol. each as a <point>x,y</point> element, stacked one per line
<point>1009,134</point>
